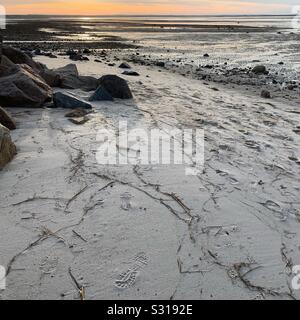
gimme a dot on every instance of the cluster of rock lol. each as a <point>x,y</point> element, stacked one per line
<point>26,83</point>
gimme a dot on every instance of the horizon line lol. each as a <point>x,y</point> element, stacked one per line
<point>152,15</point>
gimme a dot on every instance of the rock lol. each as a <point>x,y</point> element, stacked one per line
<point>116,87</point>
<point>53,56</point>
<point>23,87</point>
<point>160,64</point>
<point>68,70</point>
<point>131,73</point>
<point>5,66</point>
<point>101,95</point>
<point>124,65</point>
<point>260,69</point>
<point>7,148</point>
<point>82,82</point>
<point>291,87</point>
<point>86,51</point>
<point>63,100</point>
<point>75,56</point>
<point>6,120</point>
<point>79,121</point>
<point>265,94</point>
<point>77,113</point>
<point>70,79</point>
<point>206,55</point>
<point>52,78</point>
<point>19,57</point>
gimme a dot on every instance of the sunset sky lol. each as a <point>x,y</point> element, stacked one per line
<point>99,7</point>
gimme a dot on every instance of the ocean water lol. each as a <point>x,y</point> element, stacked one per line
<point>281,21</point>
<point>234,40</point>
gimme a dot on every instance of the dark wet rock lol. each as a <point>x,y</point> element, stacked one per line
<point>23,87</point>
<point>124,65</point>
<point>291,87</point>
<point>116,87</point>
<point>101,94</point>
<point>7,147</point>
<point>131,73</point>
<point>52,78</point>
<point>206,55</point>
<point>68,101</point>
<point>69,69</point>
<point>86,51</point>
<point>51,55</point>
<point>18,57</point>
<point>160,64</point>
<point>6,120</point>
<point>77,113</point>
<point>75,56</point>
<point>260,69</point>
<point>70,79</point>
<point>6,66</point>
<point>265,94</point>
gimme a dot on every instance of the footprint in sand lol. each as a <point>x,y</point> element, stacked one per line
<point>128,278</point>
<point>126,201</point>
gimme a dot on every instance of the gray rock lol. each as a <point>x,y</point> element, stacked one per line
<point>70,79</point>
<point>260,69</point>
<point>124,65</point>
<point>23,87</point>
<point>68,101</point>
<point>131,73</point>
<point>6,120</point>
<point>7,147</point>
<point>101,95</point>
<point>265,94</point>
<point>68,70</point>
<point>116,87</point>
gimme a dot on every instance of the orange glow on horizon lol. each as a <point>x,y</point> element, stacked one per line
<point>92,7</point>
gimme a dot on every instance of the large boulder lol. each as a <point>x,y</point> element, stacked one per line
<point>68,101</point>
<point>68,70</point>
<point>19,57</point>
<point>7,147</point>
<point>116,87</point>
<point>5,66</point>
<point>52,78</point>
<point>6,120</point>
<point>101,95</point>
<point>23,87</point>
<point>70,79</point>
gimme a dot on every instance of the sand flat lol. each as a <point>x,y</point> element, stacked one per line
<point>63,215</point>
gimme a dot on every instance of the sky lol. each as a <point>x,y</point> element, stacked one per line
<point>178,7</point>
